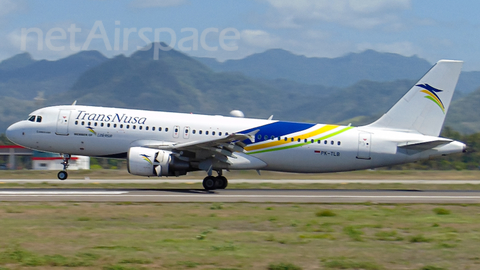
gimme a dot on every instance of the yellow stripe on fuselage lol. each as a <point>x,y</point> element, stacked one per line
<point>321,130</point>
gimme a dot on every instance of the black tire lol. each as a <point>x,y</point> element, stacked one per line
<point>221,182</point>
<point>62,175</point>
<point>209,183</point>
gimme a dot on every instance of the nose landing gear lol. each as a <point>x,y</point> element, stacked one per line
<point>62,175</point>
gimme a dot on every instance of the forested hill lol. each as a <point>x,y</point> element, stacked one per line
<point>180,83</point>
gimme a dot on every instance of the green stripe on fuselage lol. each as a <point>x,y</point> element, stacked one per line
<point>301,144</point>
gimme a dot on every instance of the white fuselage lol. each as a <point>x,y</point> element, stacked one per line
<point>282,146</point>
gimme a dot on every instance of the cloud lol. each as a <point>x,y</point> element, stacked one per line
<point>10,6</point>
<point>259,38</point>
<point>365,14</point>
<point>156,3</point>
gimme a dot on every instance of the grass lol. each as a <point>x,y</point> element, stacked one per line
<point>237,236</point>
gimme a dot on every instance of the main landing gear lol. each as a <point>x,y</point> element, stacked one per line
<point>211,182</point>
<point>62,175</point>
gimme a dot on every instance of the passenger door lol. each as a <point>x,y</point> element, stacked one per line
<point>364,145</point>
<point>62,122</point>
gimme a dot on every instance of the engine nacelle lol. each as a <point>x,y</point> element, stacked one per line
<point>151,162</point>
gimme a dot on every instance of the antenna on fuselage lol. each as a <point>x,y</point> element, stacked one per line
<point>74,103</point>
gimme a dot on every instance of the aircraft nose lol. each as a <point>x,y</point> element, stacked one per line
<point>15,132</point>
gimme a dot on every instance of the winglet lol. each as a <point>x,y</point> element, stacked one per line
<point>251,135</point>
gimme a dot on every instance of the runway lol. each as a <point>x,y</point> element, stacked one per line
<point>239,195</point>
<point>239,181</point>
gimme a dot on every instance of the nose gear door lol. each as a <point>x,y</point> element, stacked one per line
<point>62,122</point>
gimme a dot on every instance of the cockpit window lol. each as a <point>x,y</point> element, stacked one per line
<point>39,119</point>
<point>31,118</point>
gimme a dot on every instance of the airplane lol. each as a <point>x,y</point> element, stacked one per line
<point>159,144</point>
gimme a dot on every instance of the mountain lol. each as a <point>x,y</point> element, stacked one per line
<point>23,78</point>
<point>468,82</point>
<point>179,83</point>
<point>175,82</point>
<point>339,72</point>
<point>365,99</point>
<point>17,61</point>
<point>464,115</point>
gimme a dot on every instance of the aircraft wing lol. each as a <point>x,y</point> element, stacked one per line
<point>219,148</point>
<point>422,146</point>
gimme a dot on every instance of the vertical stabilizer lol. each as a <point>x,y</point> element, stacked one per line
<point>424,107</point>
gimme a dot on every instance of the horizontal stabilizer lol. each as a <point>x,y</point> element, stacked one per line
<point>422,146</point>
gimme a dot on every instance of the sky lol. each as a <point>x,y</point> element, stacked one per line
<point>232,29</point>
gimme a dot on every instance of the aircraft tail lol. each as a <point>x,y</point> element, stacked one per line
<point>424,107</point>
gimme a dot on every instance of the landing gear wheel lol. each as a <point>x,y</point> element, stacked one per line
<point>221,182</point>
<point>209,183</point>
<point>62,175</point>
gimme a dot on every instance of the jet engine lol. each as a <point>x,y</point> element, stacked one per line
<point>152,162</point>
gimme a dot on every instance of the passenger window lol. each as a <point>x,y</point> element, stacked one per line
<point>200,132</point>
<point>39,119</point>
<point>259,136</point>
<point>31,118</point>
<point>133,127</point>
<point>305,140</point>
<point>266,137</point>
<point>166,129</point>
<point>213,132</point>
<point>293,139</point>
<point>226,133</point>
<point>76,122</point>
<point>146,128</point>
<point>311,141</point>
<point>121,125</point>
<point>128,126</point>
<point>159,129</point>
<point>114,125</point>
<point>95,124</point>
<point>108,125</point>
<point>89,123</point>
<point>325,142</point>
<point>140,127</point>
<point>286,138</point>
<point>83,123</point>
<point>101,124</point>
<point>153,128</point>
<point>194,131</point>
<point>331,142</point>
<point>319,141</point>
<point>219,133</point>
<point>206,132</point>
